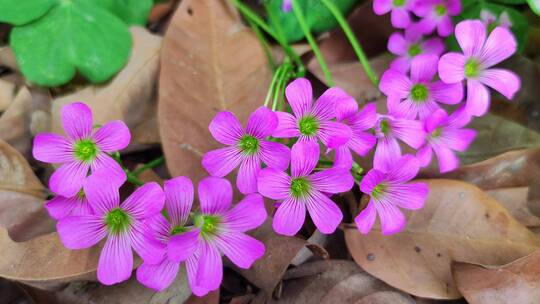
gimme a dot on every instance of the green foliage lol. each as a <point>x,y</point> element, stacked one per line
<point>535,6</point>
<point>55,39</point>
<point>318,17</point>
<point>511,2</point>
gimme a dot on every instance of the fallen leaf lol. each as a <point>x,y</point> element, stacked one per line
<point>517,282</point>
<point>210,62</point>
<point>386,297</point>
<point>515,200</point>
<point>7,58</point>
<point>211,298</point>
<point>15,122</point>
<point>129,96</point>
<point>15,173</point>
<point>459,222</point>
<point>7,94</point>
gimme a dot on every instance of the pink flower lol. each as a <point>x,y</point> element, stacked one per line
<point>245,148</point>
<point>81,151</point>
<point>480,54</point>
<point>388,191</point>
<point>444,136</point>
<point>437,14</point>
<point>122,224</point>
<point>312,122</point>
<point>361,141</point>
<point>304,190</point>
<point>401,17</point>
<point>286,6</point>
<point>418,95</point>
<point>410,45</point>
<point>491,21</point>
<point>220,230</point>
<point>388,130</point>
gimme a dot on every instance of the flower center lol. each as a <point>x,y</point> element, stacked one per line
<point>308,126</point>
<point>178,229</point>
<point>419,93</point>
<point>80,194</point>
<point>207,223</point>
<point>300,187</point>
<point>385,127</point>
<point>117,220</point>
<point>85,150</point>
<point>249,144</point>
<point>436,133</point>
<point>398,3</point>
<point>440,10</point>
<point>472,68</point>
<point>378,190</point>
<point>414,50</point>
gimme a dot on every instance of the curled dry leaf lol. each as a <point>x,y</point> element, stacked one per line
<point>130,96</point>
<point>515,200</point>
<point>386,297</point>
<point>459,222</point>
<point>517,282</point>
<point>15,173</point>
<point>7,94</point>
<point>7,58</point>
<point>15,122</point>
<point>210,62</point>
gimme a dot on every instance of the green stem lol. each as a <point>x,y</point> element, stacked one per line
<point>354,42</point>
<point>282,81</point>
<point>154,163</point>
<point>305,28</point>
<point>264,42</point>
<point>130,177</point>
<point>270,93</point>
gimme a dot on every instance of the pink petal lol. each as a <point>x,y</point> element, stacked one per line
<point>248,214</point>
<point>361,143</point>
<point>445,27</point>
<point>459,118</point>
<point>150,249</point>
<point>191,269</point>
<point>113,136</point>
<point>145,202</point>
<point>325,214</point>
<point>241,249</point>
<point>381,7</point>
<point>325,106</point>
<point>273,183</point>
<point>446,93</point>
<point>52,148</point>
<point>409,131</point>
<point>215,195</point>
<point>343,158</point>
<point>452,68</point>
<point>157,277</point>
<point>274,155</point>
<point>427,25</point>
<point>404,170</point>
<point>394,83</point>
<point>102,192</point>
<point>178,199</point>
<point>262,123</point>
<point>433,46</point>
<point>82,231</point>
<point>366,118</point>
<point>424,67</point>
<point>365,220</point>
<point>478,98</point>
<point>287,126</point>
<point>77,120</point>
<point>246,181</point>
<point>457,139</point>
<point>104,162</point>
<point>447,159</point>
<point>345,108</point>
<point>401,64</point>
<point>500,45</point>
<point>424,155</point>
<point>210,269</point>
<point>392,220</point>
<point>503,81</point>
<point>453,6</point>
<point>400,18</point>
<point>335,180</point>
<point>397,44</point>
<point>371,180</point>
<point>289,217</point>
<point>182,246</point>
<point>60,207</point>
<point>158,227</point>
<point>386,153</point>
<point>300,96</point>
<point>334,134</point>
<point>471,35</point>
<point>116,260</point>
<point>304,158</point>
<point>226,128</point>
<point>222,161</point>
<point>435,120</point>
<point>409,196</point>
<point>69,178</point>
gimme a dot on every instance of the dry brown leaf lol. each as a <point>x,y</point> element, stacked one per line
<point>515,200</point>
<point>515,283</point>
<point>387,297</point>
<point>15,173</point>
<point>7,94</point>
<point>130,96</point>
<point>210,63</point>
<point>15,122</point>
<point>7,58</point>
<point>458,222</point>
<point>211,298</point>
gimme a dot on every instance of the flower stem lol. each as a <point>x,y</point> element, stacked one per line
<point>152,164</point>
<point>130,177</point>
<point>305,28</point>
<point>353,40</point>
<point>270,93</point>
<point>265,44</point>
<point>282,81</point>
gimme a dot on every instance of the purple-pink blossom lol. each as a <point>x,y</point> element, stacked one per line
<point>491,21</point>
<point>303,190</point>
<point>245,148</point>
<point>361,141</point>
<point>82,150</point>
<point>123,224</point>
<point>400,16</point>
<point>436,14</point>
<point>445,134</point>
<point>411,44</point>
<point>312,121</point>
<point>219,229</point>
<point>474,65</point>
<point>286,6</point>
<point>389,191</point>
<point>418,94</point>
